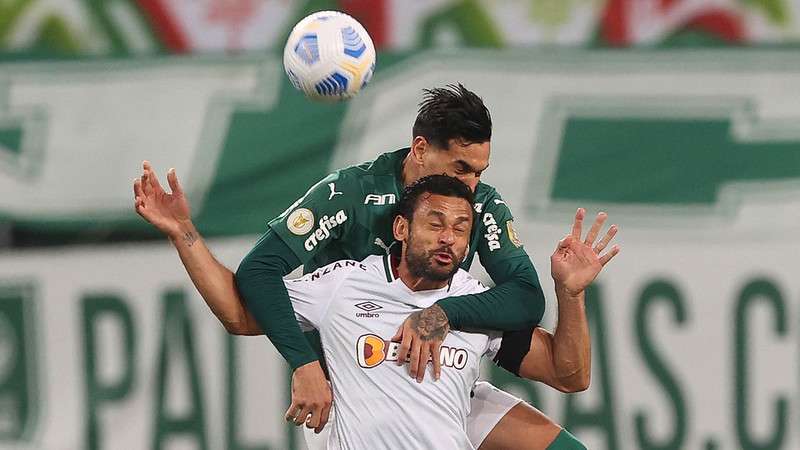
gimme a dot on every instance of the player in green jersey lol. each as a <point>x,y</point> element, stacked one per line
<point>348,215</point>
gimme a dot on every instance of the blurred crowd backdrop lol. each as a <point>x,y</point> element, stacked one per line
<point>680,118</point>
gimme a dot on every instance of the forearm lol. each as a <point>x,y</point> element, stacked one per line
<point>571,345</point>
<point>214,281</point>
<point>515,304</point>
<point>260,282</point>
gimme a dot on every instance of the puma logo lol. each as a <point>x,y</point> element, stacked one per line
<point>379,242</point>
<point>334,193</point>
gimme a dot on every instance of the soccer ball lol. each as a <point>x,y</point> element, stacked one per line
<point>329,56</point>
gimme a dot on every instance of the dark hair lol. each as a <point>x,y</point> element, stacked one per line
<point>452,112</point>
<point>432,184</point>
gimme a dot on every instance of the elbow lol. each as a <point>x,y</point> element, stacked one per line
<point>578,383</point>
<point>238,328</point>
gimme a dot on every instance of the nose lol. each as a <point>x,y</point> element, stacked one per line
<point>447,236</point>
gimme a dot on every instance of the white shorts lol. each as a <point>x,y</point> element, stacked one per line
<point>487,406</point>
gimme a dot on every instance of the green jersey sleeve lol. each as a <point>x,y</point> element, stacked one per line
<point>498,241</point>
<point>517,301</point>
<point>324,214</point>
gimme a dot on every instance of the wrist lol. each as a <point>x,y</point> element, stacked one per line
<point>184,231</point>
<point>567,294</point>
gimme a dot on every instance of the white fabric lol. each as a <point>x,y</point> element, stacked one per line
<point>377,404</point>
<point>489,404</point>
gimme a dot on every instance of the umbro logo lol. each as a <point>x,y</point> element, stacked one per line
<point>368,308</point>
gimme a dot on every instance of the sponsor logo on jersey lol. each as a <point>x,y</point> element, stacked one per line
<point>372,350</point>
<point>478,208</point>
<point>512,233</point>
<point>334,192</point>
<point>300,221</point>
<point>326,224</point>
<point>321,272</point>
<point>380,199</point>
<point>492,232</point>
<point>386,248</point>
<point>368,309</point>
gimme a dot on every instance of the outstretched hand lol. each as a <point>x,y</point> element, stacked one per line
<point>575,263</point>
<point>166,211</point>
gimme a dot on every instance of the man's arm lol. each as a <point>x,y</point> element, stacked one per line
<point>562,360</point>
<point>170,214</point>
<point>517,300</point>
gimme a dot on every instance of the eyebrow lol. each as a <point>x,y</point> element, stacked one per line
<point>442,215</point>
<point>468,167</point>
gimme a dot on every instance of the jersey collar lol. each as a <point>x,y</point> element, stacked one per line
<point>388,270</point>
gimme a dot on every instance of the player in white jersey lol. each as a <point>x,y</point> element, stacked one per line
<point>357,307</point>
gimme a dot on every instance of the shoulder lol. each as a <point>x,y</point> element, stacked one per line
<point>487,198</point>
<point>463,283</point>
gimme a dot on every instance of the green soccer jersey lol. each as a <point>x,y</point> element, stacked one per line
<point>349,215</point>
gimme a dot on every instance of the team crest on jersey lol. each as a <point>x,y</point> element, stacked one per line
<point>512,234</point>
<point>372,350</point>
<point>300,221</point>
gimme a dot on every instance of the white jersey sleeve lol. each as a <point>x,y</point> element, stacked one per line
<point>311,294</point>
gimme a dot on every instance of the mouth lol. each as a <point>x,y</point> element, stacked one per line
<point>443,258</point>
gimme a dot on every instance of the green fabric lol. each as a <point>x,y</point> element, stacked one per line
<point>566,441</point>
<point>262,272</point>
<point>517,301</point>
<point>348,215</point>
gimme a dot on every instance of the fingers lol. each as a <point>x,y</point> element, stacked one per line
<point>323,419</point>
<point>399,335</point>
<point>152,177</point>
<point>607,257</point>
<point>413,362</point>
<point>405,346</point>
<point>578,224</point>
<point>292,412</point>
<point>174,185</point>
<point>596,226</point>
<point>315,418</point>
<point>436,351</point>
<point>303,416</point>
<point>422,363</point>
<point>612,231</point>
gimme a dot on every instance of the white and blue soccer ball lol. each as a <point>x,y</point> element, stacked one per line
<point>329,56</point>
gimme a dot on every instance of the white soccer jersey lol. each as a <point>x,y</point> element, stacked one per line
<point>357,307</point>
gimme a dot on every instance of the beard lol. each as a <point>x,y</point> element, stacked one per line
<point>421,263</point>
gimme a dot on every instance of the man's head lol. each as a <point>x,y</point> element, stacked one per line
<point>433,224</point>
<point>451,134</point>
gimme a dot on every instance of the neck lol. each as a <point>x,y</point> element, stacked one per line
<point>415,283</point>
<point>410,171</point>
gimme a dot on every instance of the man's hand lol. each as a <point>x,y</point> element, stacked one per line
<point>311,397</point>
<point>422,333</point>
<point>169,212</point>
<point>575,264</point>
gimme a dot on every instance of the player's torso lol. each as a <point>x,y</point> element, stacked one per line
<point>376,188</point>
<point>377,400</point>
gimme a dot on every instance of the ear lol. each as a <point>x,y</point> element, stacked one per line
<point>400,228</point>
<point>418,148</point>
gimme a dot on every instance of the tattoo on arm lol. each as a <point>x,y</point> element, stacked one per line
<point>430,323</point>
<point>189,238</point>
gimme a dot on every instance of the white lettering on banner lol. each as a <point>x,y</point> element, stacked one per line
<point>173,112</point>
<point>326,224</point>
